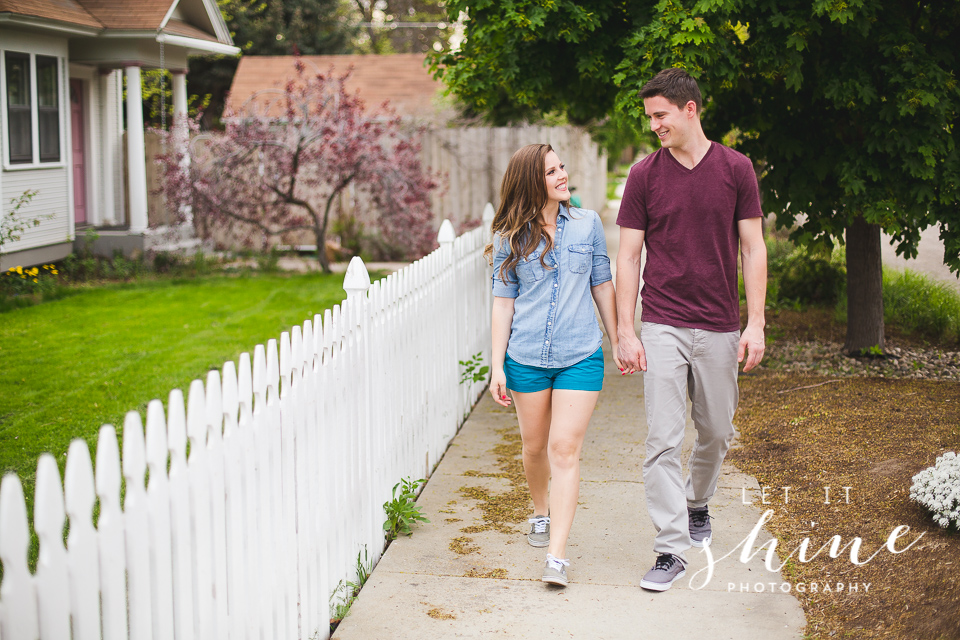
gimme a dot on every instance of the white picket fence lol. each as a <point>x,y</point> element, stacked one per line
<point>266,483</point>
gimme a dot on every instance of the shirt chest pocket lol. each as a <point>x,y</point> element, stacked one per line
<point>529,269</point>
<point>580,257</point>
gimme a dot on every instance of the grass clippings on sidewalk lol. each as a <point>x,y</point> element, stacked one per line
<point>872,435</point>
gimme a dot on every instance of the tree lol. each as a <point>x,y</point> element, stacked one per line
<point>277,27</point>
<point>848,110</point>
<point>401,26</point>
<point>281,167</point>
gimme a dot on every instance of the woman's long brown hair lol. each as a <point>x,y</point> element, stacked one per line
<point>523,194</point>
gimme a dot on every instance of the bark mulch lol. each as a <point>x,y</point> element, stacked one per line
<point>810,431</point>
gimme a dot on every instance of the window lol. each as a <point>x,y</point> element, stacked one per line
<point>18,107</point>
<point>29,108</point>
<point>48,109</point>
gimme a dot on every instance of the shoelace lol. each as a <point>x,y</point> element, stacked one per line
<point>664,561</point>
<point>540,524</point>
<point>699,518</point>
<point>557,563</point>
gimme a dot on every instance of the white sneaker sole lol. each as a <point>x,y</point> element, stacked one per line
<point>557,580</point>
<point>537,543</point>
<point>661,586</point>
<point>699,543</point>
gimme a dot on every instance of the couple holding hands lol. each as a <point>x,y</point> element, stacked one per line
<point>694,204</point>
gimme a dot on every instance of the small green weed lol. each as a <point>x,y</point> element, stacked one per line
<point>402,510</point>
<point>347,590</point>
<point>874,352</point>
<point>473,369</point>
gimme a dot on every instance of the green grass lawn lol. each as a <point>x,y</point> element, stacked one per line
<point>70,365</point>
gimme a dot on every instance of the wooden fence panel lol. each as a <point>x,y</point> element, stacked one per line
<point>291,458</point>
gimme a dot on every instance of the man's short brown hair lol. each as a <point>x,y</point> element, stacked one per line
<point>675,85</point>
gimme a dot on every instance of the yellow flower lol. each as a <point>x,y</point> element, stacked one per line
<point>54,272</point>
<point>34,279</point>
<point>20,270</point>
<point>33,271</point>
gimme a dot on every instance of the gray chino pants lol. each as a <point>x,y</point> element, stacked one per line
<point>700,364</point>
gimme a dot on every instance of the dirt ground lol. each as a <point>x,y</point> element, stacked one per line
<point>813,432</point>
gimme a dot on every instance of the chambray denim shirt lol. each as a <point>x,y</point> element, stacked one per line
<point>554,324</point>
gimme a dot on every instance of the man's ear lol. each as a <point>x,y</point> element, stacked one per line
<point>690,109</point>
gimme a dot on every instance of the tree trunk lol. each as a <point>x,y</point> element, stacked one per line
<point>321,236</point>
<point>864,287</point>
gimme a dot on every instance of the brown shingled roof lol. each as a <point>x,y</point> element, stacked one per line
<point>124,14</point>
<point>180,28</point>
<point>401,78</point>
<point>67,11</point>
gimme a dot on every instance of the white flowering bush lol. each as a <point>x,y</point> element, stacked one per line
<point>938,489</point>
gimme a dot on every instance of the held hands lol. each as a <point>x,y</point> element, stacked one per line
<point>498,387</point>
<point>629,355</point>
<point>751,345</point>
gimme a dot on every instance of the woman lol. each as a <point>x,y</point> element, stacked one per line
<point>548,260</point>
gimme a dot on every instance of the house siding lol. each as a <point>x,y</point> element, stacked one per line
<point>51,203</point>
<point>52,183</point>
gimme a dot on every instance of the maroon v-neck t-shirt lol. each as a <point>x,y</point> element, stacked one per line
<point>689,217</point>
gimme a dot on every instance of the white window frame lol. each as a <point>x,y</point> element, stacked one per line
<point>35,163</point>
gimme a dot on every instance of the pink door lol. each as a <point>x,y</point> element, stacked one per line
<point>79,174</point>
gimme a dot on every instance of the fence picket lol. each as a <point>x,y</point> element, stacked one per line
<point>181,529</point>
<point>83,557</point>
<point>20,620</point>
<point>158,516</point>
<point>113,566</point>
<point>53,587</point>
<point>200,511</point>
<point>136,528</point>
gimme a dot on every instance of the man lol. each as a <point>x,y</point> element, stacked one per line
<point>692,203</point>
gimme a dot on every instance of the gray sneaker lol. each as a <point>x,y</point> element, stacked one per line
<point>667,570</point>
<point>555,571</point>
<point>539,535</point>
<point>700,529</point>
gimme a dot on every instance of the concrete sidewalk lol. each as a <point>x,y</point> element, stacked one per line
<point>459,577</point>
<point>470,573</point>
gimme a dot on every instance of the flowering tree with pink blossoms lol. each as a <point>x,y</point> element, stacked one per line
<point>280,167</point>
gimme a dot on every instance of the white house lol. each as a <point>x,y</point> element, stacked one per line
<point>66,130</point>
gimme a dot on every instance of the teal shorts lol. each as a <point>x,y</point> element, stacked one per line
<point>586,375</point>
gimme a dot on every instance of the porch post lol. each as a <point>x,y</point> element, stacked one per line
<point>136,154</point>
<point>180,104</point>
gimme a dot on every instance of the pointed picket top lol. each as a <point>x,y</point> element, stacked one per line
<point>309,346</point>
<point>296,350</point>
<point>156,448</point>
<point>15,534</point>
<point>487,217</point>
<point>245,383</point>
<point>176,428</point>
<point>447,234</point>
<point>79,493</point>
<point>134,454</point>
<point>107,476</point>
<point>17,589</point>
<point>48,511</point>
<point>196,419</point>
<point>214,405</point>
<point>327,334</point>
<point>231,397</point>
<point>317,333</point>
<point>286,360</point>
<point>259,376</point>
<point>273,367</point>
<point>357,279</point>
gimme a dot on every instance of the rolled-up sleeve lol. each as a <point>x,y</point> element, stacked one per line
<point>510,288</point>
<point>601,261</point>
